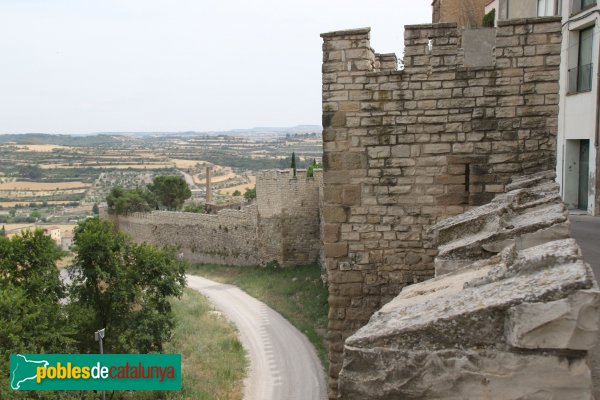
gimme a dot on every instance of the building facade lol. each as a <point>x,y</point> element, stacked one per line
<point>54,233</point>
<point>578,157</point>
<point>466,13</point>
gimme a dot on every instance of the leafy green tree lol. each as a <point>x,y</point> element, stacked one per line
<point>32,319</point>
<point>310,170</point>
<point>123,287</point>
<point>250,193</point>
<point>236,193</point>
<point>29,260</point>
<point>95,209</point>
<point>170,191</point>
<point>3,231</point>
<point>125,201</point>
<point>489,19</point>
<point>293,166</point>
<point>32,172</point>
<point>35,214</point>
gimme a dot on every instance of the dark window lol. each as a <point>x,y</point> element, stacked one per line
<point>580,77</point>
<point>579,5</point>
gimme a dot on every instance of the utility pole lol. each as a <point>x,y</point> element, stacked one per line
<point>99,335</point>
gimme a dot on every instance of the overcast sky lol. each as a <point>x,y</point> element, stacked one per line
<point>80,66</point>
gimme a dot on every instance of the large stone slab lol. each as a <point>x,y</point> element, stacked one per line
<point>530,214</point>
<point>570,323</point>
<point>387,374</point>
<point>514,326</point>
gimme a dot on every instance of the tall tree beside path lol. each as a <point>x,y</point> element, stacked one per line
<point>124,287</point>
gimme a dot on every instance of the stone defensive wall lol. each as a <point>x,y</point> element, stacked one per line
<point>283,225</point>
<point>228,237</point>
<point>289,216</point>
<point>405,149</point>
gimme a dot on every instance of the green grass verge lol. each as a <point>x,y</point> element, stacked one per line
<point>213,359</point>
<point>296,293</point>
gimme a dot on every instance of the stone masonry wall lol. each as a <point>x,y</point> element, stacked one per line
<point>283,226</point>
<point>406,149</point>
<point>289,216</point>
<point>228,237</point>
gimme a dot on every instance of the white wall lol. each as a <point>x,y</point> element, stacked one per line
<point>522,8</point>
<point>577,115</point>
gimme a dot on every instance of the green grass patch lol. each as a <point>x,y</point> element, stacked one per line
<point>297,293</point>
<point>213,359</point>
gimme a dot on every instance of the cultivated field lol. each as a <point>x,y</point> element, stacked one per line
<point>42,148</point>
<point>42,185</point>
<point>242,188</point>
<point>58,178</point>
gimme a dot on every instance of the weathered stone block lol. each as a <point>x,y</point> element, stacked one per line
<point>331,233</point>
<point>351,195</point>
<point>334,214</point>
<point>335,250</point>
<point>436,148</point>
<point>466,310</point>
<point>386,374</point>
<point>570,323</point>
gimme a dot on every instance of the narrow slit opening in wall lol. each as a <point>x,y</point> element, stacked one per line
<point>467,181</point>
<point>430,45</point>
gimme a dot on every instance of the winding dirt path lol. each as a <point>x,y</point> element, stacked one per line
<point>283,363</point>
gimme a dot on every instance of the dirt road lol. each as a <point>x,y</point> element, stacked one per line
<point>283,363</point>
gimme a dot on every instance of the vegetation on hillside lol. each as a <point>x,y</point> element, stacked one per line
<point>100,162</point>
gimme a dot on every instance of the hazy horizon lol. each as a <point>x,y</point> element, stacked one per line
<point>232,130</point>
<point>72,67</point>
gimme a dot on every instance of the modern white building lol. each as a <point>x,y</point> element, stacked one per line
<point>577,158</point>
<point>578,161</point>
